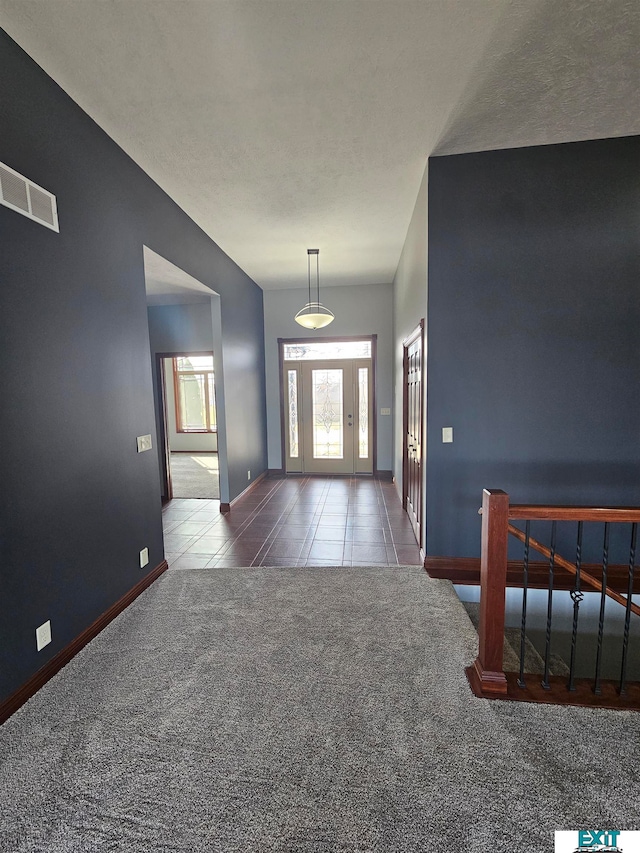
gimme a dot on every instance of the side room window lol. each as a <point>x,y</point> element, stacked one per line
<point>195,393</point>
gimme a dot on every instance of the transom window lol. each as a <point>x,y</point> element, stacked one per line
<point>195,393</point>
<point>317,350</point>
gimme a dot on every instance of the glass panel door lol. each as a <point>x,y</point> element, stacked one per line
<point>327,417</point>
<point>327,394</point>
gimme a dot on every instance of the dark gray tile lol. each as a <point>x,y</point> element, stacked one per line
<point>326,551</point>
<point>329,534</point>
<point>376,553</point>
<point>366,535</point>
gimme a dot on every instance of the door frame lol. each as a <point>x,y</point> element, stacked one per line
<point>163,446</point>
<point>418,332</point>
<point>336,339</point>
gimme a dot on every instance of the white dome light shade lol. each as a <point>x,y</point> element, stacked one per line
<point>314,316</point>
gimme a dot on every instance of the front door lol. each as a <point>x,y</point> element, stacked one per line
<point>328,422</point>
<point>328,407</point>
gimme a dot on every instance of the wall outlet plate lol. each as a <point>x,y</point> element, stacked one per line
<point>144,557</point>
<point>144,443</point>
<point>385,411</point>
<point>447,435</point>
<point>43,635</point>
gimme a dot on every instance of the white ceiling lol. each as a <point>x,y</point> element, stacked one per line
<point>279,125</point>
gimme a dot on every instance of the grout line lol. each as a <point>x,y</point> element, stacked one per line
<point>386,512</point>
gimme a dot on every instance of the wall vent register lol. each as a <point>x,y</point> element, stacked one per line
<point>27,198</point>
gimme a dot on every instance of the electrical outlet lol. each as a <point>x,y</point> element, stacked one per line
<point>43,635</point>
<point>144,557</point>
<point>144,443</point>
<point>385,411</point>
<point>447,435</point>
<point>248,475</point>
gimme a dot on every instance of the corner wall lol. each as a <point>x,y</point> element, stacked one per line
<point>78,503</point>
<point>409,307</point>
<point>534,312</point>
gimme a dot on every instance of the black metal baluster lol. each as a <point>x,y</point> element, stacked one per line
<point>603,597</point>
<point>525,583</point>
<point>576,597</point>
<point>625,641</point>
<point>547,650</point>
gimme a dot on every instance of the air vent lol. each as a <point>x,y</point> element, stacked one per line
<point>27,198</point>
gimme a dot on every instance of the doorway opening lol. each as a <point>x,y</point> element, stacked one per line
<point>413,428</point>
<point>185,337</point>
<point>189,406</point>
<point>327,389</point>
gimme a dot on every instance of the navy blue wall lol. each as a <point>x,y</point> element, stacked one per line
<point>534,331</point>
<point>78,503</point>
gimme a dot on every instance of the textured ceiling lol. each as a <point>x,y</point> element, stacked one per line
<point>279,126</point>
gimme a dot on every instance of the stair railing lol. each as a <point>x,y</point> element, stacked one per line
<point>487,676</point>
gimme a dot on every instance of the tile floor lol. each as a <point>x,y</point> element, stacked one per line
<point>294,521</point>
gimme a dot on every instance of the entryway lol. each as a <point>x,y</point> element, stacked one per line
<point>328,406</point>
<point>187,389</point>
<point>185,336</point>
<point>294,521</point>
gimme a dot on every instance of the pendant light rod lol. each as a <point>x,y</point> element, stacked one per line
<point>315,252</point>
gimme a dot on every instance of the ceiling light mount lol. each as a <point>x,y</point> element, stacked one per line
<point>314,315</point>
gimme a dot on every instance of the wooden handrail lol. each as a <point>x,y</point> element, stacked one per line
<point>544,512</point>
<point>570,567</point>
<point>574,513</point>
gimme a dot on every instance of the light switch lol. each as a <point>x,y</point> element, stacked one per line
<point>447,435</point>
<point>385,411</point>
<point>144,443</point>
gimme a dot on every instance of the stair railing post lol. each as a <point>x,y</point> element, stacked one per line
<point>487,675</point>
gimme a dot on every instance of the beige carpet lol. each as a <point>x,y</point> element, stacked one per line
<point>195,475</point>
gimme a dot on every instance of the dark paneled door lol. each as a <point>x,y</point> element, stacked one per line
<point>413,428</point>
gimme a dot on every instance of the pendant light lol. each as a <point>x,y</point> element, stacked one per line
<point>314,315</point>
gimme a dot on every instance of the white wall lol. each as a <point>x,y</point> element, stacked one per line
<point>195,442</point>
<point>409,307</point>
<point>365,309</point>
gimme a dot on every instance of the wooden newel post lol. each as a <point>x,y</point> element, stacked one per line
<point>486,675</point>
